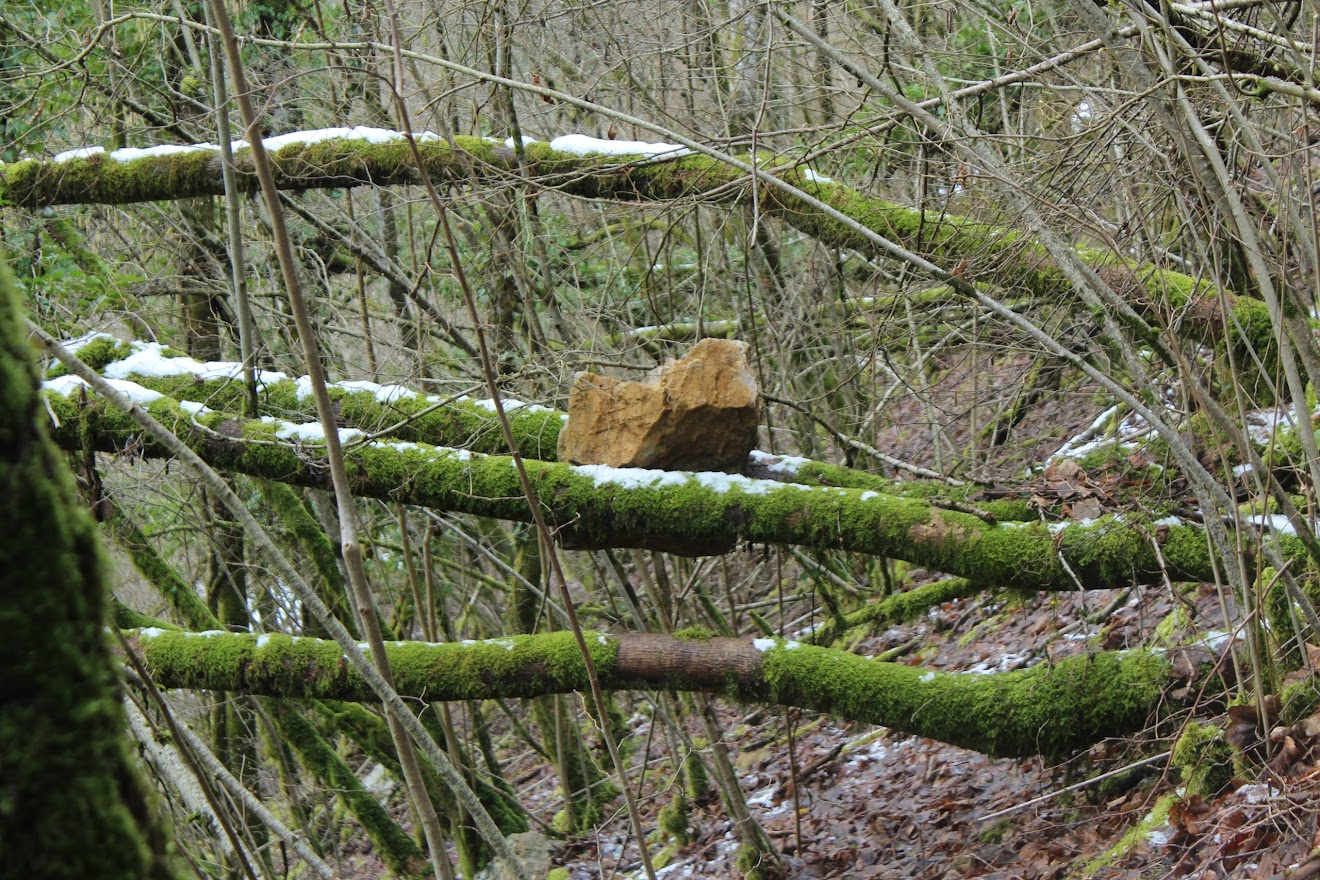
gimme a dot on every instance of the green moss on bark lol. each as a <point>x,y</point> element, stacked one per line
<point>71,801</point>
<point>399,852</point>
<point>1048,709</point>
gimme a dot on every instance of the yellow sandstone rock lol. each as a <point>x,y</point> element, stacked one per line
<point>699,413</point>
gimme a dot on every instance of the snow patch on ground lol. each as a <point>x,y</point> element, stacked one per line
<point>1258,793</point>
<point>1159,836</point>
<point>1003,663</point>
<point>194,408</point>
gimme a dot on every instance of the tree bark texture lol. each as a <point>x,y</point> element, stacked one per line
<point>71,801</point>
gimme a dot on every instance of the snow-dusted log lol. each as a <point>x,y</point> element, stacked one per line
<point>460,422</point>
<point>339,158</point>
<point>1049,709</point>
<point>686,513</point>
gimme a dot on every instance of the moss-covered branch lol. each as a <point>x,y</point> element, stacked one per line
<point>1046,709</point>
<point>407,414</point>
<point>986,253</point>
<point>692,514</point>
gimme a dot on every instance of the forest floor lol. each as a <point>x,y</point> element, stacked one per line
<point>872,803</point>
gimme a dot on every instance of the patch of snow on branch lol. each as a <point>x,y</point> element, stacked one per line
<point>1095,436</point>
<point>1005,663</point>
<point>433,451</point>
<point>383,393</point>
<point>309,432</point>
<point>631,478</point>
<point>149,360</point>
<point>132,154</point>
<point>78,153</point>
<point>581,145</point>
<point>67,385</point>
<point>510,404</point>
<point>79,343</point>
<point>355,133</point>
<point>722,483</point>
<point>649,478</point>
<point>274,143</point>
<point>808,174</point>
<point>790,464</point>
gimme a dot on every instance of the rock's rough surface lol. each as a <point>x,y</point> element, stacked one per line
<point>699,413</point>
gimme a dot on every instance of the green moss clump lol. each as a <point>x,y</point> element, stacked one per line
<point>1211,446</point>
<point>1252,334</point>
<point>1205,760</point>
<point>996,832</point>
<point>560,822</point>
<point>96,354</point>
<point>1156,818</point>
<point>694,634</point>
<point>674,818</point>
<point>1281,614</point>
<point>398,850</point>
<point>756,864</point>
<point>696,778</point>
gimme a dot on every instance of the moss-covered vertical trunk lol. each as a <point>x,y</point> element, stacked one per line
<point>71,801</point>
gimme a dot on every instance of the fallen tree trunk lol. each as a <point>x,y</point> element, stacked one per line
<point>986,254</point>
<point>693,514</point>
<point>1047,709</point>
